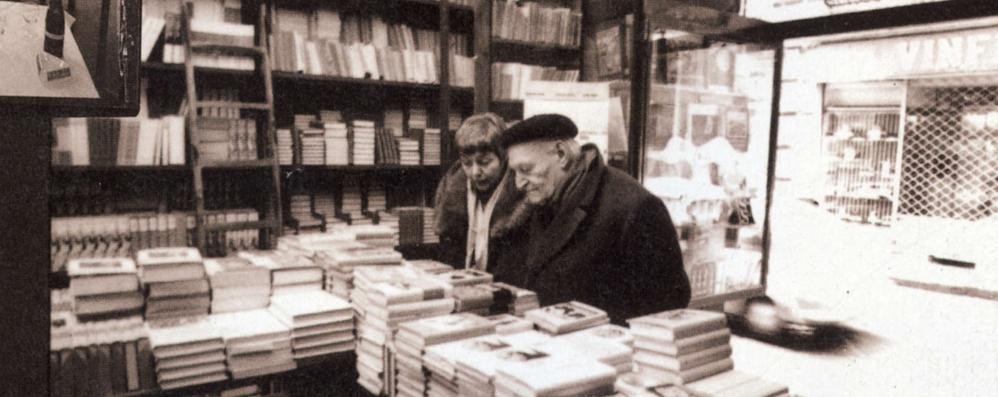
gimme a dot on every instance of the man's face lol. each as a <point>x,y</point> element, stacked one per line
<point>484,170</point>
<point>538,168</point>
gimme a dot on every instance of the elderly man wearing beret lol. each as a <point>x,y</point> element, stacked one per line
<point>595,234</point>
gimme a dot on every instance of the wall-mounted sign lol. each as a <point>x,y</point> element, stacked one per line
<point>968,51</point>
<point>786,10</point>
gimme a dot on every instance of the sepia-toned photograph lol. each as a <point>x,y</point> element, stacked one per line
<point>509,198</point>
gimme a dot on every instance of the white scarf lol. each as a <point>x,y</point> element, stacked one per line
<point>477,247</point>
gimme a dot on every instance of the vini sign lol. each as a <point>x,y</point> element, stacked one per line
<point>900,57</point>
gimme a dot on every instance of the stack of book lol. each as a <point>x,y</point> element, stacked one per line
<point>288,273</point>
<point>285,147</point>
<point>418,118</point>
<point>551,369</point>
<point>522,301</point>
<point>337,143</point>
<point>376,198</point>
<point>415,337</point>
<point>611,332</point>
<point>509,79</point>
<point>682,346</point>
<point>533,23</point>
<point>637,384</point>
<point>377,236</point>
<point>237,284</point>
<point>429,231</point>
<point>313,146</point>
<point>465,277</point>
<point>363,142</point>
<point>566,317</point>
<point>175,281</point>
<point>479,298</point>
<point>100,141</point>
<point>220,139</point>
<point>431,146</point>
<point>301,210</point>
<point>507,324</point>
<point>386,147</point>
<point>408,151</point>
<point>256,343</point>
<point>336,281</point>
<point>391,221</point>
<point>341,263</point>
<point>104,288</point>
<point>321,324</point>
<point>378,291</point>
<point>429,266</point>
<point>410,224</point>
<point>188,352</point>
<point>470,363</point>
<point>735,383</point>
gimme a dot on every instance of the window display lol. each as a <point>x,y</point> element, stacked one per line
<point>706,154</point>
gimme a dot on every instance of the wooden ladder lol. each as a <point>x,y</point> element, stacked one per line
<point>269,222</point>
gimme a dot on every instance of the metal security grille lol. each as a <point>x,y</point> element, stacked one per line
<point>860,154</point>
<point>950,159</point>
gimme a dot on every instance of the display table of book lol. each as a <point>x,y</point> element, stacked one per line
<point>383,326</point>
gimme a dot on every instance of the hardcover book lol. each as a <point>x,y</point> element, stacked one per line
<point>677,324</point>
<point>567,317</point>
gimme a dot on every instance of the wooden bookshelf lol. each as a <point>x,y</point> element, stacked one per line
<point>118,168</point>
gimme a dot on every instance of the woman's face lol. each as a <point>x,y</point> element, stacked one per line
<point>484,170</point>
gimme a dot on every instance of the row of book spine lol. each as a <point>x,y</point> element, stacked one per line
<point>310,147</point>
<point>118,142</point>
<point>532,22</point>
<point>220,139</point>
<point>509,79</point>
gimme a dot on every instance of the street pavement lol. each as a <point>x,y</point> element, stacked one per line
<point>903,341</point>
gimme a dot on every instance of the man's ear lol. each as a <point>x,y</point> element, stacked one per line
<point>559,150</point>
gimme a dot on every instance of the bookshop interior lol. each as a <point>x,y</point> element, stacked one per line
<point>476,197</point>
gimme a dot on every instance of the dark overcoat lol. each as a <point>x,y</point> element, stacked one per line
<point>507,226</point>
<point>611,244</point>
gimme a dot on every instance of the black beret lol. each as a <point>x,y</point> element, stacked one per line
<point>540,127</point>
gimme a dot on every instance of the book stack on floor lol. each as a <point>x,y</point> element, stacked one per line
<point>470,363</point>
<point>415,337</point>
<point>288,273</point>
<point>682,346</point>
<point>605,350</point>
<point>363,142</point>
<point>312,140</point>
<point>735,383</point>
<point>431,146</point>
<point>285,147</point>
<point>465,277</point>
<point>321,324</point>
<point>175,282</point>
<point>391,221</point>
<point>98,358</point>
<point>256,343</point>
<point>325,205</point>
<point>104,288</point>
<point>552,369</point>
<point>337,144</point>
<point>384,297</point>
<point>565,317</point>
<point>377,200</point>
<point>237,284</point>
<point>301,210</point>
<point>507,324</point>
<point>188,351</point>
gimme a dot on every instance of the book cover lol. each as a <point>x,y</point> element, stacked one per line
<point>567,316</point>
<point>678,324</point>
<point>100,266</point>
<point>683,362</point>
<point>686,345</point>
<point>433,330</point>
<point>167,256</point>
<point>690,375</point>
<point>466,277</point>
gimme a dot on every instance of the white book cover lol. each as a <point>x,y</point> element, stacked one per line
<point>309,303</point>
<point>436,329</point>
<point>566,316</point>
<point>249,324</point>
<point>100,266</point>
<point>180,332</point>
<point>610,332</point>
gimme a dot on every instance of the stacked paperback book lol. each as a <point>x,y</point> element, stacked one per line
<point>566,317</point>
<point>313,141</point>
<point>237,284</point>
<point>376,198</point>
<point>429,232</point>
<point>175,281</point>
<point>363,142</point>
<point>340,263</point>
<point>735,383</point>
<point>471,363</point>
<point>415,337</point>
<point>607,350</point>
<point>352,203</point>
<point>408,151</point>
<point>384,297</point>
<point>325,205</point>
<point>288,273</point>
<point>104,288</point>
<point>682,346</point>
<point>551,369</point>
<point>431,146</point>
<point>256,343</point>
<point>188,352</point>
<point>429,266</point>
<point>301,211</point>
<point>507,324</point>
<point>337,142</point>
<point>321,324</point>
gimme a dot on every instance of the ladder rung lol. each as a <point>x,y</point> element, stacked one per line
<point>234,105</point>
<point>220,227</point>
<point>229,49</point>
<point>262,163</point>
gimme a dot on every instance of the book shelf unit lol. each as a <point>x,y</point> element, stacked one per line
<point>490,48</point>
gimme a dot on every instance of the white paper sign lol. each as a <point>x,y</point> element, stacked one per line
<point>587,104</point>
